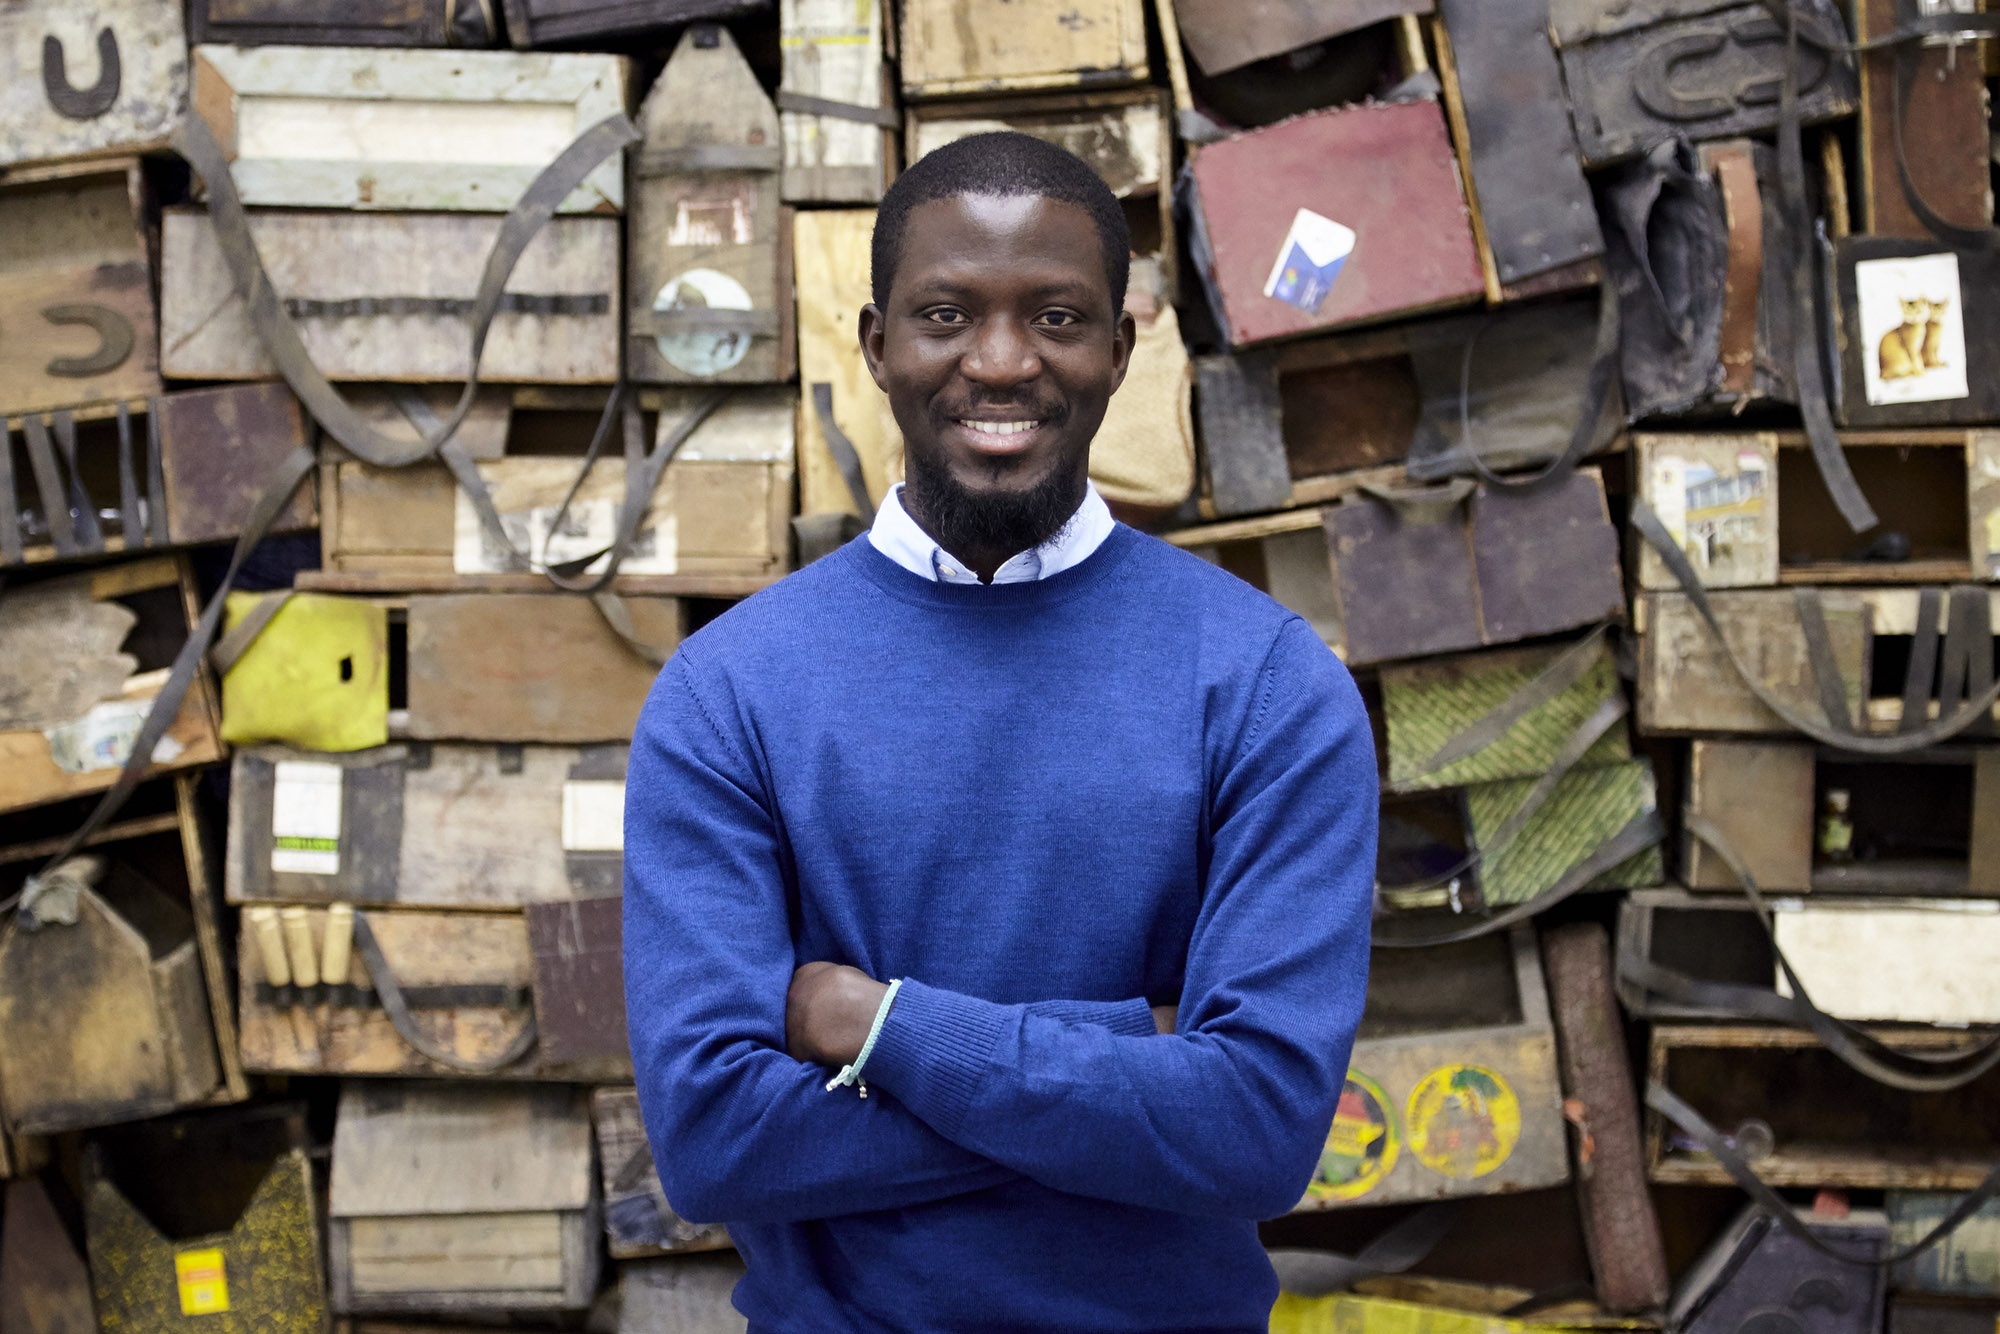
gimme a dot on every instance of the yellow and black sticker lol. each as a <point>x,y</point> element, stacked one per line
<point>1463,1120</point>
<point>1361,1147</point>
<point>204,1288</point>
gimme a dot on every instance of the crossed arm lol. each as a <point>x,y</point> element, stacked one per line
<point>1091,1099</point>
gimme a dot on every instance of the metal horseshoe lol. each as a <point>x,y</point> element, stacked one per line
<point>114,339</point>
<point>81,103</point>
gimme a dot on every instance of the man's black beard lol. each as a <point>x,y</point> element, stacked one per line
<point>972,525</point>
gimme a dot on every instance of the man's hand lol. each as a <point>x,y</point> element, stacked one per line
<point>828,1013</point>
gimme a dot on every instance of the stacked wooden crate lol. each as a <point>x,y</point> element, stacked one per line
<point>1434,301</point>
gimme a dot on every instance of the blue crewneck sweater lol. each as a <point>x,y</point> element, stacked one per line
<point>1045,805</point>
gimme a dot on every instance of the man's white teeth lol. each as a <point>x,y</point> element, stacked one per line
<point>1000,428</point>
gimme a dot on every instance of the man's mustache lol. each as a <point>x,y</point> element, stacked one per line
<point>1054,412</point>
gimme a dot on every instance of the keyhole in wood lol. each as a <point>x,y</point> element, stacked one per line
<point>347,669</point>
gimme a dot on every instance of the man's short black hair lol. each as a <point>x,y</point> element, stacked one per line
<point>1006,164</point>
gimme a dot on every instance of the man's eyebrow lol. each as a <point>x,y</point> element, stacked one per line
<point>941,286</point>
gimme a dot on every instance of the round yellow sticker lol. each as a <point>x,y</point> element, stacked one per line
<point>1361,1147</point>
<point>1463,1120</point>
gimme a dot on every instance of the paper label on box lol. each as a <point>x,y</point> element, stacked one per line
<point>1912,319</point>
<point>1310,259</point>
<point>104,736</point>
<point>593,818</point>
<point>203,1284</point>
<point>587,528</point>
<point>305,817</point>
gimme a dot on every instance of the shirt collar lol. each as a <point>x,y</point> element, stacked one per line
<point>896,535</point>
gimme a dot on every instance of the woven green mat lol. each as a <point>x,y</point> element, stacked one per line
<point>1426,704</point>
<point>1587,807</point>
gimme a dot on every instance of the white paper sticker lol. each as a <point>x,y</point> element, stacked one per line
<point>588,527</point>
<point>103,738</point>
<point>703,354</point>
<point>593,815</point>
<point>1309,260</point>
<point>305,817</point>
<point>1912,329</point>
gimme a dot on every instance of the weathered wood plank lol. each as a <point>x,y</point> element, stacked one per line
<point>434,258</point>
<point>342,22</point>
<point>532,23</point>
<point>1452,1088</point>
<point>61,45</point>
<point>424,949</point>
<point>831,249</point>
<point>77,320</point>
<point>833,50</point>
<point>1224,35</point>
<point>688,1294</point>
<point>1942,126</point>
<point>1686,682</point>
<point>952,47</point>
<point>79,746</point>
<point>706,231</point>
<point>376,128</point>
<point>460,690</point>
<point>638,1221</point>
<point>1760,796</point>
<point>434,825</point>
<point>44,1288</point>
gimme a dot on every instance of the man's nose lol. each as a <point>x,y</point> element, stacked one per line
<point>1002,354</point>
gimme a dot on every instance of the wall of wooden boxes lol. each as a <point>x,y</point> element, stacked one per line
<point>1617,394</point>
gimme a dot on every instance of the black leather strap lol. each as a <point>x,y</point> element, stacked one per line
<point>1913,1071</point>
<point>1668,1104</point>
<point>11,552</point>
<point>1439,503</point>
<point>156,483</point>
<point>49,486</point>
<point>398,1009</point>
<point>805,104</point>
<point>1950,722</point>
<point>1922,669</point>
<point>1317,1273</point>
<point>845,456</point>
<point>89,533</point>
<point>1642,831</point>
<point>280,334</point>
<point>130,523</point>
<point>1585,435</point>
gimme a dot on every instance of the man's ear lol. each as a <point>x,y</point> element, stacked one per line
<point>1123,340</point>
<point>872,327</point>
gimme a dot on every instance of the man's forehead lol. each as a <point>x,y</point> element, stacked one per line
<point>963,238</point>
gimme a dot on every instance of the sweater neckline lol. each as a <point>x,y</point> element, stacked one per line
<point>905,586</point>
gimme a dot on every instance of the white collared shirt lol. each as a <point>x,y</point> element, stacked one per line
<point>896,535</point>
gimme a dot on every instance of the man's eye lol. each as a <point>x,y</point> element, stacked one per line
<point>946,316</point>
<point>1058,319</point>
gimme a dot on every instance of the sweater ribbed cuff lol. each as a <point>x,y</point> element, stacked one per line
<point>1125,1019</point>
<point>933,1051</point>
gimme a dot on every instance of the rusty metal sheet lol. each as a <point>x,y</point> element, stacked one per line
<point>1243,449</point>
<point>1651,70</point>
<point>218,449</point>
<point>1407,586</point>
<point>1223,35</point>
<point>1519,140</point>
<point>579,978</point>
<point>1547,561</point>
<point>1385,173</point>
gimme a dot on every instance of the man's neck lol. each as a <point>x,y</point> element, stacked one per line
<point>982,559</point>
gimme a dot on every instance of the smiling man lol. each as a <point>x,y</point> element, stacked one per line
<point>997,888</point>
